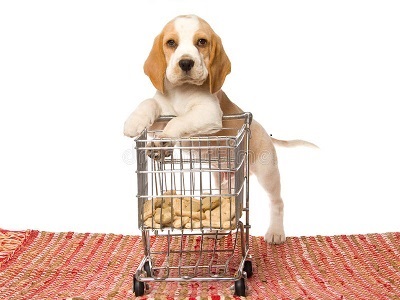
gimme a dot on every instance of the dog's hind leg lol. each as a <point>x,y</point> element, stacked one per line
<point>264,165</point>
<point>270,181</point>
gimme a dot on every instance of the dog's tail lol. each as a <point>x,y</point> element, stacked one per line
<point>293,143</point>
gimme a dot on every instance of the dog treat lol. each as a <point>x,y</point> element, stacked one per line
<point>192,225</point>
<point>180,222</point>
<point>147,209</point>
<point>187,207</point>
<point>187,204</point>
<point>209,203</point>
<point>184,212</point>
<point>150,206</point>
<point>152,223</point>
<point>223,213</point>
<point>163,218</point>
<point>164,201</point>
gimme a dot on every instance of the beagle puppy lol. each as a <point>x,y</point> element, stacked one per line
<point>188,65</point>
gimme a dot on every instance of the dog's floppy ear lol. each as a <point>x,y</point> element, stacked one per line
<point>219,65</point>
<point>155,64</point>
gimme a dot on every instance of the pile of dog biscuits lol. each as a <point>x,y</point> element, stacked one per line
<point>191,213</point>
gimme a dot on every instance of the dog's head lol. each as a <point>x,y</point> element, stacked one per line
<point>187,51</point>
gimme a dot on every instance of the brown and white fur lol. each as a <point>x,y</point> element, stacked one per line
<point>188,65</point>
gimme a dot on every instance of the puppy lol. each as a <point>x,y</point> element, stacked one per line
<point>188,65</point>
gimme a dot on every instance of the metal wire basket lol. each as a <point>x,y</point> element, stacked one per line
<point>192,193</point>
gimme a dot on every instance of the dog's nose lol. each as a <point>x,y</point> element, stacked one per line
<point>186,64</point>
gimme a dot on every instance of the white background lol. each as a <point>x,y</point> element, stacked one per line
<point>324,71</point>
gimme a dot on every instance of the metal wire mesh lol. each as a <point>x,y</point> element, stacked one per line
<point>191,189</point>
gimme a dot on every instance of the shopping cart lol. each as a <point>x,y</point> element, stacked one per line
<point>191,196</point>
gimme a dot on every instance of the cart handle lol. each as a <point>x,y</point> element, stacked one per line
<point>247,116</point>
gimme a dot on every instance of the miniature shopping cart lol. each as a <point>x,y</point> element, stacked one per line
<point>192,193</point>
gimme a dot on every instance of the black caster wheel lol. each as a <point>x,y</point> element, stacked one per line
<point>138,287</point>
<point>248,268</point>
<point>240,287</point>
<point>147,268</point>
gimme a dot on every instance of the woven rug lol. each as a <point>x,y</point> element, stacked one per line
<point>46,265</point>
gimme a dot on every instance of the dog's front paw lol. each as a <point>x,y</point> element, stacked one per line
<point>136,124</point>
<point>160,149</point>
<point>275,236</point>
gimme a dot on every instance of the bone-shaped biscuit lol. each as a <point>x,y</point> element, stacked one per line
<point>187,207</point>
<point>209,203</point>
<point>185,212</point>
<point>163,216</point>
<point>147,209</point>
<point>164,201</point>
<point>151,223</point>
<point>180,222</point>
<point>223,213</point>
<point>150,206</point>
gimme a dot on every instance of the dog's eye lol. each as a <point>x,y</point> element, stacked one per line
<point>171,43</point>
<point>201,42</point>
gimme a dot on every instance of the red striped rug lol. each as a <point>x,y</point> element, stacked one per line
<point>46,265</point>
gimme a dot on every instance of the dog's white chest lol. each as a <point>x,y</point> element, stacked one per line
<point>179,102</point>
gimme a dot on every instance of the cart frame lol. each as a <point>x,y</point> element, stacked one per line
<point>166,170</point>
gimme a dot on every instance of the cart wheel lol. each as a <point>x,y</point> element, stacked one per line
<point>240,287</point>
<point>138,287</point>
<point>248,268</point>
<point>147,268</point>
